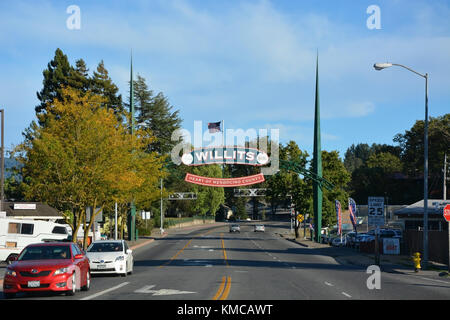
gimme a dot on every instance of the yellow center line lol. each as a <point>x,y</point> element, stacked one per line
<point>224,289</point>
<point>225,286</point>
<point>224,251</point>
<point>219,292</point>
<point>227,290</point>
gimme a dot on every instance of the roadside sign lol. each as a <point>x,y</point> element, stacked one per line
<point>300,218</point>
<point>391,246</point>
<point>376,211</point>
<point>447,213</point>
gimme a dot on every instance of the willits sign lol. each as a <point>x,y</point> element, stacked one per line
<point>225,155</point>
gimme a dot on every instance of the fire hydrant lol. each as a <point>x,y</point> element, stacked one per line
<point>416,259</point>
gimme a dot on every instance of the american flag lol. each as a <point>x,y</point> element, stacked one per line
<point>352,209</point>
<point>214,127</point>
<point>339,216</point>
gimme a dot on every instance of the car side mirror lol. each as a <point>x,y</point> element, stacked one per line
<point>129,251</point>
<point>79,256</point>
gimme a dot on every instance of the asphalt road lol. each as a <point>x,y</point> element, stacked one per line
<point>213,264</point>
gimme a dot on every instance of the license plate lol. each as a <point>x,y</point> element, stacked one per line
<point>34,284</point>
<point>101,266</point>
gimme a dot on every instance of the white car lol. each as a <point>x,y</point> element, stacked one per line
<point>110,256</point>
<point>259,228</point>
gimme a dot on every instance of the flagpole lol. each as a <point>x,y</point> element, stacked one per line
<point>223,133</point>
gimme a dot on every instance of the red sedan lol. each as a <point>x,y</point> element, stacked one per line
<point>56,266</point>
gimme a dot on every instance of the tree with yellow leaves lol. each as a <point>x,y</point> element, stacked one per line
<point>84,157</point>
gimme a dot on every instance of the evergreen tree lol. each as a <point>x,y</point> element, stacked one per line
<point>101,84</point>
<point>56,75</point>
<point>156,112</point>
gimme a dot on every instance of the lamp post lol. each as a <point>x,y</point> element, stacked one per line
<point>381,66</point>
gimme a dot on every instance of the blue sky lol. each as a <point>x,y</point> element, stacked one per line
<point>250,63</point>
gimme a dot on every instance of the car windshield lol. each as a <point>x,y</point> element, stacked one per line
<point>45,253</point>
<point>106,247</point>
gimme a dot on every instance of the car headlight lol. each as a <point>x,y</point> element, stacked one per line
<point>60,271</point>
<point>120,258</point>
<point>11,272</point>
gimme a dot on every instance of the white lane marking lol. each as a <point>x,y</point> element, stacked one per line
<point>329,284</point>
<point>160,292</point>
<point>105,291</point>
<point>346,294</point>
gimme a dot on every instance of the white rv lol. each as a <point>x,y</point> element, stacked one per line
<point>16,234</point>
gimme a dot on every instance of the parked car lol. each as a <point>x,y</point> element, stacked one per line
<point>110,256</point>
<point>52,266</point>
<point>259,228</point>
<point>363,237</point>
<point>235,228</point>
<point>350,238</point>
<point>390,233</point>
<point>339,242</point>
<point>16,234</point>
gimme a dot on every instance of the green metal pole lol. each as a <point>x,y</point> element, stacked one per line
<point>317,163</point>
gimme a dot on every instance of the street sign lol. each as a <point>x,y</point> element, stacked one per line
<point>300,218</point>
<point>447,213</point>
<point>376,211</point>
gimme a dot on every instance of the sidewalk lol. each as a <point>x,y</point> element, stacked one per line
<point>388,263</point>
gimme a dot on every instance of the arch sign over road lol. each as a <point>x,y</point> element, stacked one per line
<point>225,155</point>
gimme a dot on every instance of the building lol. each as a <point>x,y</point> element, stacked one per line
<point>31,210</point>
<point>412,215</point>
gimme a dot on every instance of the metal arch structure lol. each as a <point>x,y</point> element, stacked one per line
<point>256,192</point>
<point>182,196</point>
<point>297,168</point>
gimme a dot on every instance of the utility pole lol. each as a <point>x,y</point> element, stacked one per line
<point>132,212</point>
<point>161,228</point>
<point>445,177</point>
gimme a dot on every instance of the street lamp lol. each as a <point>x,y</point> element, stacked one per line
<point>381,66</point>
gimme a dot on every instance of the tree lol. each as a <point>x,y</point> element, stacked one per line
<point>156,112</point>
<point>412,154</point>
<point>85,158</point>
<point>287,188</point>
<point>56,75</point>
<point>209,199</point>
<point>101,84</point>
<point>335,172</point>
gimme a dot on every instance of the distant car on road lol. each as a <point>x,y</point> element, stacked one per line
<point>52,266</point>
<point>235,228</point>
<point>259,228</point>
<point>110,256</point>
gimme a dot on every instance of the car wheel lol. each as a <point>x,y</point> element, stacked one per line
<point>88,282</point>
<point>74,285</point>
<point>131,270</point>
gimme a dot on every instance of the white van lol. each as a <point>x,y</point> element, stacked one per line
<point>16,234</point>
